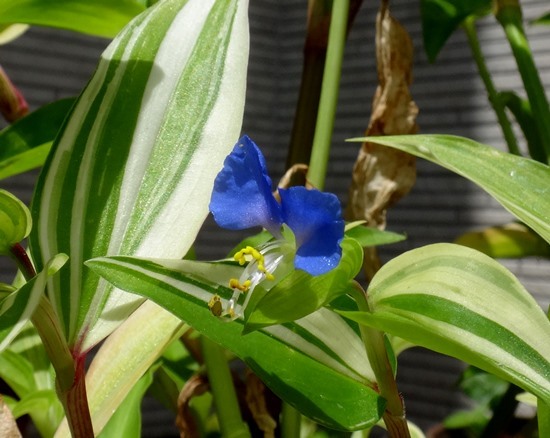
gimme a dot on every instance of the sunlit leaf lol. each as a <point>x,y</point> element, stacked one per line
<point>506,241</point>
<point>319,358</point>
<point>103,18</point>
<point>460,302</point>
<point>521,185</point>
<point>133,169</point>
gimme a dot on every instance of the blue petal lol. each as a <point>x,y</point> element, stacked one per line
<point>316,219</point>
<point>242,196</point>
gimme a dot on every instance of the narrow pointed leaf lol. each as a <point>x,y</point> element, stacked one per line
<point>133,169</point>
<point>103,18</point>
<point>24,145</point>
<point>521,185</point>
<point>319,359</point>
<point>460,302</point>
<point>440,18</point>
<point>17,308</point>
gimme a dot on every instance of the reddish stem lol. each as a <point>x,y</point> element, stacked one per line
<point>75,402</point>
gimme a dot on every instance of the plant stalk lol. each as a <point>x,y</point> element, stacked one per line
<point>509,15</point>
<point>374,340</point>
<point>307,107</point>
<point>492,94</point>
<point>291,422</point>
<point>69,375</point>
<point>329,94</point>
<point>223,391</point>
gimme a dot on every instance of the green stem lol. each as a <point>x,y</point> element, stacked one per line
<point>543,418</point>
<point>374,340</point>
<point>223,391</point>
<point>70,376</point>
<point>291,422</point>
<point>508,13</point>
<point>496,102</point>
<point>329,94</point>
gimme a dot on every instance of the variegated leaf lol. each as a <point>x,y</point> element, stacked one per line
<point>133,169</point>
<point>520,184</point>
<point>319,358</point>
<point>17,308</point>
<point>460,302</point>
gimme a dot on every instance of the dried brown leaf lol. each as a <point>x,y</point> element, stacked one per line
<point>256,402</point>
<point>195,386</point>
<point>381,175</point>
<point>8,426</point>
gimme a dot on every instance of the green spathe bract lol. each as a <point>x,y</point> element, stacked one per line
<point>133,169</point>
<point>15,221</point>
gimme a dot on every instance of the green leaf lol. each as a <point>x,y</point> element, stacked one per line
<point>521,185</point>
<point>459,302</point>
<point>318,364</point>
<point>103,18</point>
<point>521,109</point>
<point>133,169</point>
<point>543,19</point>
<point>15,222</point>
<point>506,241</point>
<point>368,236</point>
<point>17,308</point>
<point>126,421</point>
<point>299,293</point>
<point>25,144</point>
<point>440,18</point>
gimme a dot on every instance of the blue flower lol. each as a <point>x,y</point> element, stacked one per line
<point>242,198</point>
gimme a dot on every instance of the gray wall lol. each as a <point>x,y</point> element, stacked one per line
<point>50,64</point>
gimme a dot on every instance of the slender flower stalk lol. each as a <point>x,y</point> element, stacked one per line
<point>394,415</point>
<point>329,94</point>
<point>492,94</point>
<point>509,15</point>
<point>225,397</point>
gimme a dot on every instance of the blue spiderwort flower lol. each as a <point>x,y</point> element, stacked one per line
<point>242,198</point>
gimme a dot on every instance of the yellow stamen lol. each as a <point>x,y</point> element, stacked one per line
<point>235,284</point>
<point>215,305</point>
<point>256,255</point>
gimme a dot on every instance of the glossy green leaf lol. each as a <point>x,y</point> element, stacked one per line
<point>24,145</point>
<point>318,363</point>
<point>15,221</point>
<point>440,18</point>
<point>103,18</point>
<point>521,185</point>
<point>460,302</point>
<point>506,241</point>
<point>126,421</point>
<point>10,32</point>
<point>368,236</point>
<point>133,169</point>
<point>17,308</point>
<point>299,293</point>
